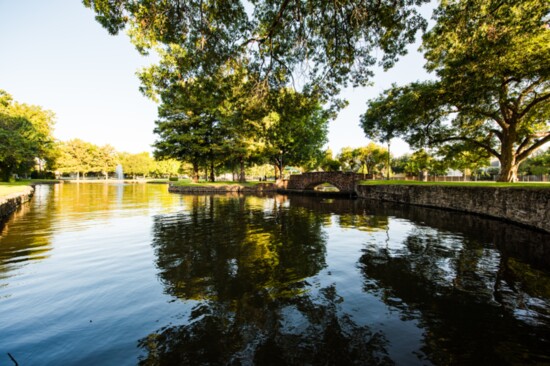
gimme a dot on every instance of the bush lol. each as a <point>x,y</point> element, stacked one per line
<point>173,179</point>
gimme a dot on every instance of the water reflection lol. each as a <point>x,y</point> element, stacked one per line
<point>255,271</point>
<point>248,264</point>
<point>266,280</point>
<point>27,235</point>
<point>18,244</point>
<point>478,286</point>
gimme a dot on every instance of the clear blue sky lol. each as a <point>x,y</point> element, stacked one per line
<point>54,54</point>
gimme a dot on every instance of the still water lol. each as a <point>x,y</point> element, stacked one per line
<point>99,274</point>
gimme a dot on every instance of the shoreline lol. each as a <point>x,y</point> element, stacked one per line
<point>10,203</point>
<point>521,206</point>
<point>526,207</point>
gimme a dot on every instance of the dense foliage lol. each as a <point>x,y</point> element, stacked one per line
<point>537,164</point>
<point>81,157</point>
<point>328,43</point>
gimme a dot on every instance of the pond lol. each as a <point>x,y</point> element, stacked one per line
<point>107,274</point>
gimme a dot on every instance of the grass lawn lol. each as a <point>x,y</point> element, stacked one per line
<point>12,187</point>
<point>184,183</point>
<point>19,186</point>
<point>457,184</point>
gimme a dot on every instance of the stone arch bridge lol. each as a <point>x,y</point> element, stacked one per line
<point>345,182</point>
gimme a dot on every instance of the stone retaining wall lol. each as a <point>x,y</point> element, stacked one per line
<point>10,203</point>
<point>525,206</point>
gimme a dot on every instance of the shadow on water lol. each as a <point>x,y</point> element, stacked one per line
<point>478,289</point>
<point>248,266</point>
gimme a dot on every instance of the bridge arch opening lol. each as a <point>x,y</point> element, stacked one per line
<point>323,187</point>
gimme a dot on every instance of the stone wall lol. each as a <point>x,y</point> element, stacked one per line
<point>345,182</point>
<point>10,203</point>
<point>527,206</point>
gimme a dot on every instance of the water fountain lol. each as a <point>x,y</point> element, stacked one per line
<point>119,173</point>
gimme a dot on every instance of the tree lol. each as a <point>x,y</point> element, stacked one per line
<point>76,156</point>
<point>81,157</point>
<point>105,159</point>
<point>188,124</point>
<point>25,135</point>
<point>468,161</point>
<point>492,86</point>
<point>295,129</point>
<point>373,157</point>
<point>421,162</point>
<point>168,167</point>
<point>348,159</point>
<point>329,42</point>
<point>136,164</point>
<point>537,164</point>
<point>329,164</point>
<point>241,113</point>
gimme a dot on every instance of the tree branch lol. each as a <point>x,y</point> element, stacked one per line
<point>534,102</point>
<point>533,147</point>
<point>492,115</point>
<point>497,133</point>
<point>528,90</point>
<point>272,27</point>
<point>484,146</point>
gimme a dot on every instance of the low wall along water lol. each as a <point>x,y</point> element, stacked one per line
<point>10,203</point>
<point>526,206</point>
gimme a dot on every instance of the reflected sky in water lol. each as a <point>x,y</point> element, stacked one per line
<point>126,274</point>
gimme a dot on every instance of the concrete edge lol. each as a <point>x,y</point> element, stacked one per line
<point>10,203</point>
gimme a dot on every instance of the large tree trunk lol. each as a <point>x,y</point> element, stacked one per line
<point>6,174</point>
<point>508,163</point>
<point>212,175</point>
<point>242,176</point>
<point>508,170</point>
<point>279,167</point>
<point>195,173</point>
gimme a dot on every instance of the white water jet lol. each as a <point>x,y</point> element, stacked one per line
<point>119,173</point>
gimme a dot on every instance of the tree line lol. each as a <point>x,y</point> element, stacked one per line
<point>28,147</point>
<point>83,158</point>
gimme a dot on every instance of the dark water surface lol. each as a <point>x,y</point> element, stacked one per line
<point>99,274</point>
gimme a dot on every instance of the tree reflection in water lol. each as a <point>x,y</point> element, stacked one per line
<point>246,261</point>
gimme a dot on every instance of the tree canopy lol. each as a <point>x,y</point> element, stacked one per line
<point>137,164</point>
<point>491,59</point>
<point>295,129</point>
<point>329,43</point>
<point>25,135</point>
